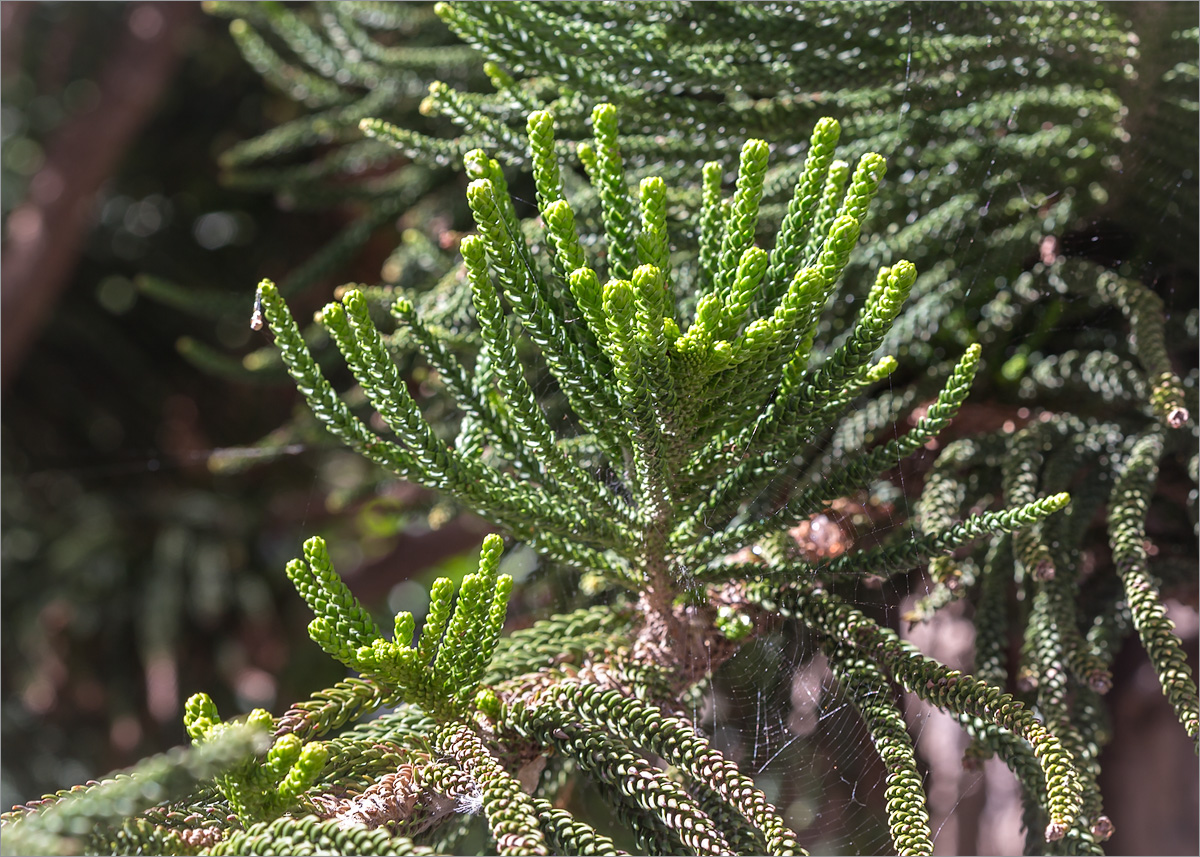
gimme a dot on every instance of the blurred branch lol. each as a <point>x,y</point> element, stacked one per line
<point>13,18</point>
<point>44,233</point>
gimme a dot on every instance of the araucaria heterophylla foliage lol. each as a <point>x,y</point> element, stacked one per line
<point>694,390</point>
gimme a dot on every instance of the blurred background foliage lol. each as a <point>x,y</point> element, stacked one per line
<point>155,481</point>
<point>125,567</point>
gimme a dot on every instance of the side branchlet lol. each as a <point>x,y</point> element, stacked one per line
<point>258,790</point>
<point>442,671</point>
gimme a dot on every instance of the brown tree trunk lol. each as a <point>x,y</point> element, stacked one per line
<point>44,234</point>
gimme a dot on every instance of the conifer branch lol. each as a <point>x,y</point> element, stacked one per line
<point>653,243</point>
<point>852,474</point>
<point>801,220</point>
<point>566,638</point>
<point>420,147</point>
<point>991,638</point>
<point>437,465</point>
<point>532,303</point>
<point>356,764</point>
<point>321,397</point>
<point>464,110</point>
<point>633,366</point>
<point>341,625</point>
<point>906,553</point>
<point>59,827</point>
<point>1044,643</point>
<point>566,834</point>
<point>403,722</point>
<point>1055,604</point>
<point>488,417</point>
<point>742,219</point>
<point>908,817</point>
<point>1128,506</point>
<point>511,815</point>
<point>1020,759</point>
<point>530,429</point>
<point>258,791</point>
<point>1144,310</point>
<point>310,834</point>
<point>442,672</point>
<point>608,176</point>
<point>711,226</point>
<point>620,769</point>
<point>680,745</point>
<point>946,688</point>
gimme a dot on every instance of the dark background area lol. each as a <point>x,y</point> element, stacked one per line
<point>133,575</point>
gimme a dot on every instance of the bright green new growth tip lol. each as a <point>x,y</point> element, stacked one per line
<point>258,789</point>
<point>441,673</point>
